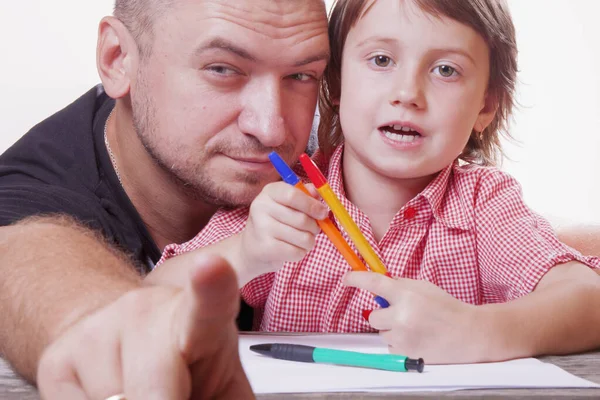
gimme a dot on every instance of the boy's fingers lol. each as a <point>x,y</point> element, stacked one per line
<point>312,190</point>
<point>382,319</point>
<point>292,197</point>
<point>293,218</point>
<point>375,283</point>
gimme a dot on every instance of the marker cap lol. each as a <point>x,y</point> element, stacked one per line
<point>284,170</point>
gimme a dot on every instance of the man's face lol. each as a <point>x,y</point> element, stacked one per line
<point>226,83</point>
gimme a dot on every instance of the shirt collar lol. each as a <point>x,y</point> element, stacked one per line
<point>441,194</point>
<point>445,201</point>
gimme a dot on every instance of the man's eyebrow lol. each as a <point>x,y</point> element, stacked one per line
<point>223,44</point>
<point>309,60</point>
<point>226,45</point>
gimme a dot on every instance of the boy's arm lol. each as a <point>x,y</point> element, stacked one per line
<point>280,226</point>
<point>585,239</point>
<point>560,316</point>
<point>228,248</point>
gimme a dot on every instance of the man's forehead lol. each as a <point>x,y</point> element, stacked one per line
<point>259,7</point>
<point>246,22</point>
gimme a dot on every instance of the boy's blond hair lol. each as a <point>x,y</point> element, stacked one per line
<point>490,18</point>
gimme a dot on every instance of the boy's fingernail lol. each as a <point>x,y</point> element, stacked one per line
<point>323,213</point>
<point>366,314</point>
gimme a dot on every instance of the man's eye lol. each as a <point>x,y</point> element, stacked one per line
<point>382,61</point>
<point>445,70</point>
<point>221,70</point>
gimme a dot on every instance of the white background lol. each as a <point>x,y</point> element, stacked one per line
<point>47,60</point>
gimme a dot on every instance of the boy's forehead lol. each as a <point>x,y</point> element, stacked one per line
<point>414,25</point>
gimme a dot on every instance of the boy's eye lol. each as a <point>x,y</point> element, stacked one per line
<point>301,77</point>
<point>382,61</point>
<point>446,71</point>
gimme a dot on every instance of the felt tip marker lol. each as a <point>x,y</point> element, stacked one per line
<point>326,225</point>
<point>302,353</point>
<point>338,209</point>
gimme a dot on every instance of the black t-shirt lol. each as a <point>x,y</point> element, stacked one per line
<point>61,166</point>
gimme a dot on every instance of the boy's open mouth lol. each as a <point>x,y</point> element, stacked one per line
<point>399,133</point>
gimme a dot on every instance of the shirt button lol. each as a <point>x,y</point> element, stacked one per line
<point>410,213</point>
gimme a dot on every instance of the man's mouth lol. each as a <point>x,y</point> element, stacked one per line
<point>399,133</point>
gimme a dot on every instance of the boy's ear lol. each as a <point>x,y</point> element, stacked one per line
<point>117,57</point>
<point>487,113</point>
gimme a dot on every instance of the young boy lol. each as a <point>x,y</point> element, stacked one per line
<point>412,105</point>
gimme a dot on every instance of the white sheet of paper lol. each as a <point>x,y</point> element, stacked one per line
<point>269,375</point>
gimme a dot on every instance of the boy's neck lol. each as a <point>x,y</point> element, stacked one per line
<point>377,197</point>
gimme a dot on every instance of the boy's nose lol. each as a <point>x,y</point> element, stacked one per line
<point>407,91</point>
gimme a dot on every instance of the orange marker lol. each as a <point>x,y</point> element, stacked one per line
<point>326,224</point>
<point>336,206</point>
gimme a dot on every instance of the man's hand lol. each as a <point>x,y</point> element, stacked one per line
<point>157,342</point>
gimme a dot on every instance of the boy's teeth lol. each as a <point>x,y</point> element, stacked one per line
<point>402,128</point>
<point>399,138</point>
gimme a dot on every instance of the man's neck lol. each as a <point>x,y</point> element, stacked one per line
<point>170,215</point>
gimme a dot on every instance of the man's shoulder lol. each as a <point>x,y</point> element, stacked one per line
<point>59,149</point>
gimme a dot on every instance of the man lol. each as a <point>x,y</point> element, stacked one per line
<point>204,90</point>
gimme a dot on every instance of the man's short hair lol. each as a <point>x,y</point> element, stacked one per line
<point>139,16</point>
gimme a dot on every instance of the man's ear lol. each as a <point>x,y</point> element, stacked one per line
<point>487,113</point>
<point>117,57</point>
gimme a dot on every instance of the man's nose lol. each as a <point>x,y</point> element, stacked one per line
<point>407,89</point>
<point>262,114</point>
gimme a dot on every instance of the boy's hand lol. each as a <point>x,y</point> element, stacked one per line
<point>281,227</point>
<point>423,320</point>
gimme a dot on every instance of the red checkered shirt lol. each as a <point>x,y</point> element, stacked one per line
<point>468,232</point>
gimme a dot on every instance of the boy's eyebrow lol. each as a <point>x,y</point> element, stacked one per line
<point>219,43</point>
<point>455,50</point>
<point>382,39</point>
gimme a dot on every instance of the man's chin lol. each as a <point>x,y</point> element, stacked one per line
<point>227,195</point>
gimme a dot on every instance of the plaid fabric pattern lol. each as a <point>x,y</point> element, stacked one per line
<point>468,232</point>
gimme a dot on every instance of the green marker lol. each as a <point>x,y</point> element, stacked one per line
<point>297,352</point>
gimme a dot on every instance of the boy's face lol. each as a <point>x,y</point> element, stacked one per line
<point>226,83</point>
<point>413,88</point>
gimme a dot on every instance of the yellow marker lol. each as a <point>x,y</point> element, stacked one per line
<point>338,209</point>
